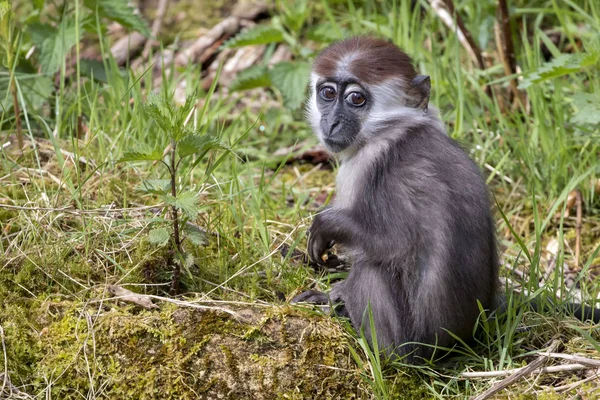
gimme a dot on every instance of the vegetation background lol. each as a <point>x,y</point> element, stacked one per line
<point>157,179</point>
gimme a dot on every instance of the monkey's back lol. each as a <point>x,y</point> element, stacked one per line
<point>426,204</point>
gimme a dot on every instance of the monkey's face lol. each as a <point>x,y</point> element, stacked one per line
<point>343,105</point>
<point>357,85</point>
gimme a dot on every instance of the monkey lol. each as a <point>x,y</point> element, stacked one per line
<point>412,210</point>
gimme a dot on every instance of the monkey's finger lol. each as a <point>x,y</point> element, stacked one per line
<point>315,250</point>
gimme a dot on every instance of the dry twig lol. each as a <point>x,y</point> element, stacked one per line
<point>448,15</point>
<point>156,25</point>
<point>505,46</point>
<point>225,28</point>
<point>579,204</point>
<point>520,373</point>
<point>131,297</point>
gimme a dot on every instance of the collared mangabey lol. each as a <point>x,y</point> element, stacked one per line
<point>411,209</point>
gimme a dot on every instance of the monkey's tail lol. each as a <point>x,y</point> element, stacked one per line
<point>580,311</point>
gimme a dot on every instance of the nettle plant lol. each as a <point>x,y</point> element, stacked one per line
<point>189,145</point>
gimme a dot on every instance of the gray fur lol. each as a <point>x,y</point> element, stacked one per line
<point>411,210</point>
<point>421,236</point>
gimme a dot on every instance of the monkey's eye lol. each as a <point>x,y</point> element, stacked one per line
<point>327,93</point>
<point>357,99</point>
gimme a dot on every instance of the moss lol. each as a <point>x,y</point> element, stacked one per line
<point>176,352</point>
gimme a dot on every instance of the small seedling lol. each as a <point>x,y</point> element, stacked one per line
<point>184,142</point>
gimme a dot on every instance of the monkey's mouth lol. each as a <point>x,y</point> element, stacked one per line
<point>335,145</point>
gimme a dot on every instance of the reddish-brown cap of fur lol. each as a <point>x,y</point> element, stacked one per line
<point>372,60</point>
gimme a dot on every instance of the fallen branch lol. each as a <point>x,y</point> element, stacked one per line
<point>576,359</point>
<point>571,386</point>
<point>156,25</point>
<point>520,373</point>
<point>225,28</point>
<point>544,370</point>
<point>126,47</point>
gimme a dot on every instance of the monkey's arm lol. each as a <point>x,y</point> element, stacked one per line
<point>341,226</point>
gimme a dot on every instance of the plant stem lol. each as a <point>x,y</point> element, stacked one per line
<point>13,89</point>
<point>175,218</point>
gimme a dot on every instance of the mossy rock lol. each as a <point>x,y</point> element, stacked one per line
<point>183,353</point>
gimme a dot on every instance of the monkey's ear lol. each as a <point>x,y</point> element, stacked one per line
<point>422,86</point>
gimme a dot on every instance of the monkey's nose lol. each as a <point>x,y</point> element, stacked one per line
<point>332,127</point>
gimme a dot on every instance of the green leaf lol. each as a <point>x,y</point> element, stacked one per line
<point>325,33</point>
<point>588,109</point>
<point>94,69</point>
<point>160,117</point>
<point>562,65</point>
<point>260,34</point>
<point>155,186</point>
<point>142,155</point>
<point>199,145</point>
<point>195,235</point>
<point>119,11</point>
<point>159,236</point>
<point>36,89</point>
<point>187,202</point>
<point>40,32</point>
<point>250,78</point>
<point>56,47</point>
<point>291,78</point>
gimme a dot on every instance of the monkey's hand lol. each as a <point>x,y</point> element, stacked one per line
<point>319,240</point>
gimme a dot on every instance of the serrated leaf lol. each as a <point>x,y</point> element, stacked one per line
<point>250,78</point>
<point>159,236</point>
<point>155,186</point>
<point>562,65</point>
<point>119,11</point>
<point>325,33</point>
<point>588,109</point>
<point>141,155</point>
<point>199,145</point>
<point>56,47</point>
<point>291,78</point>
<point>160,117</point>
<point>195,235</point>
<point>193,144</point>
<point>187,202</point>
<point>260,34</point>
<point>40,32</point>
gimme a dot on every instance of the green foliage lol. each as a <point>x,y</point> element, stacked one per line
<point>186,202</point>
<point>159,236</point>
<point>36,89</point>
<point>564,64</point>
<point>260,34</point>
<point>184,143</point>
<point>250,78</point>
<point>119,11</point>
<point>56,46</point>
<point>291,78</point>
<point>587,107</point>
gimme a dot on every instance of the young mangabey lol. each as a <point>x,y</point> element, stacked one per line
<point>412,210</point>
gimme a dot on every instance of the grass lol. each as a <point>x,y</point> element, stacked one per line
<point>72,219</point>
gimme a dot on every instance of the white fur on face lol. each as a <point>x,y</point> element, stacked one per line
<point>388,105</point>
<point>312,111</point>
